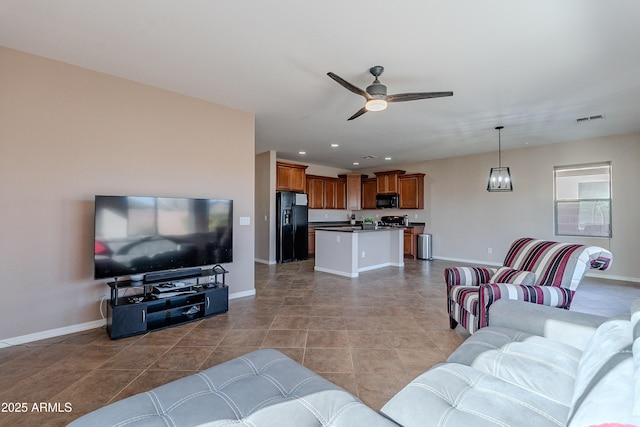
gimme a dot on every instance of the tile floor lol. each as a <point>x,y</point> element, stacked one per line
<point>370,335</point>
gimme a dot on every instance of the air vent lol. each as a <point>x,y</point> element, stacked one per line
<point>590,118</point>
<point>370,157</point>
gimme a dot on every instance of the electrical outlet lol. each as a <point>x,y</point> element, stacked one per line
<point>362,254</point>
<point>489,250</point>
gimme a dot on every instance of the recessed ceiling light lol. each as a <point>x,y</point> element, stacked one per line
<point>387,158</point>
<point>335,145</point>
<point>355,163</point>
<point>302,153</point>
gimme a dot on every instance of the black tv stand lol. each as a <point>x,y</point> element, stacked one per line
<point>149,309</point>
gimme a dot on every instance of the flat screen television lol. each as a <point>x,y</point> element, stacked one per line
<point>138,235</point>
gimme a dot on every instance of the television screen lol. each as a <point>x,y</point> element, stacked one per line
<point>137,235</point>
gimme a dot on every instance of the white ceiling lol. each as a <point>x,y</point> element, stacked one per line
<point>533,66</point>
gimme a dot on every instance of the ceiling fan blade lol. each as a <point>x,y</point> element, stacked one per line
<point>358,113</point>
<point>401,97</point>
<point>348,85</point>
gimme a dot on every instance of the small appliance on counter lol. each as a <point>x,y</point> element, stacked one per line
<point>395,221</point>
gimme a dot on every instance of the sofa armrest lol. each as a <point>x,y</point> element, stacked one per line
<point>569,327</point>
<point>467,276</point>
<point>553,296</point>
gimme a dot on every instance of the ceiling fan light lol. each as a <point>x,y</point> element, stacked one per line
<point>376,104</point>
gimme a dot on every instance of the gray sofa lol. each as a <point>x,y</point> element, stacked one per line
<point>534,366</point>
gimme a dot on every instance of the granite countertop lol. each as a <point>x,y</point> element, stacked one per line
<point>318,225</point>
<point>358,229</point>
<point>329,224</point>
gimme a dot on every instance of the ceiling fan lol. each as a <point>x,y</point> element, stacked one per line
<point>376,93</point>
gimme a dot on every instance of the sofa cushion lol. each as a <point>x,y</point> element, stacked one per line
<point>537,364</point>
<point>451,394</point>
<point>263,388</point>
<point>603,390</point>
<point>511,275</point>
<point>552,296</point>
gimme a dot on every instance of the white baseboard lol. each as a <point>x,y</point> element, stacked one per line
<point>37,336</point>
<point>52,333</point>
<point>264,261</point>
<point>374,267</point>
<point>606,276</point>
<point>469,261</point>
<point>242,294</point>
<point>339,273</point>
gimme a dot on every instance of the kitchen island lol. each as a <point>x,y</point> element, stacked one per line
<point>346,251</point>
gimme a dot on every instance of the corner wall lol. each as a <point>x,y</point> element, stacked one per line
<point>265,187</point>
<point>68,133</point>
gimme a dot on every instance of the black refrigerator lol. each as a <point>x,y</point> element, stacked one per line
<point>292,218</point>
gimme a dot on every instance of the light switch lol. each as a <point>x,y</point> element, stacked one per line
<point>245,220</point>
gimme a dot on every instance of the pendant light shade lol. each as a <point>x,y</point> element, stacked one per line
<point>500,177</point>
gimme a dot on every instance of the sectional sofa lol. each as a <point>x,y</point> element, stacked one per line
<point>533,366</point>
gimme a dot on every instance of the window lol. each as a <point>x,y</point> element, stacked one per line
<point>583,200</point>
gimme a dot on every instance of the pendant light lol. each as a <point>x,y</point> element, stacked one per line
<point>500,177</point>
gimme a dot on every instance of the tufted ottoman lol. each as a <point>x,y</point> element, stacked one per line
<point>263,388</point>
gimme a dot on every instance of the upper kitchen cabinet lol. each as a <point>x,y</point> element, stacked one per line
<point>369,188</point>
<point>326,192</point>
<point>353,191</point>
<point>387,182</point>
<point>330,193</point>
<point>315,191</point>
<point>290,177</point>
<point>411,191</point>
<point>341,193</point>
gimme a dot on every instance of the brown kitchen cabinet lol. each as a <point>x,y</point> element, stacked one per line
<point>326,192</point>
<point>411,241</point>
<point>330,190</point>
<point>411,191</point>
<point>353,195</point>
<point>290,177</point>
<point>315,191</point>
<point>369,188</point>
<point>311,239</point>
<point>387,182</point>
<point>341,193</point>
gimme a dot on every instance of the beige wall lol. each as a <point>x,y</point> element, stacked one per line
<point>265,188</point>
<point>465,220</point>
<point>66,134</point>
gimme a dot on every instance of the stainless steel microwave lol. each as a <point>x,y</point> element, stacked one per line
<point>384,201</point>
